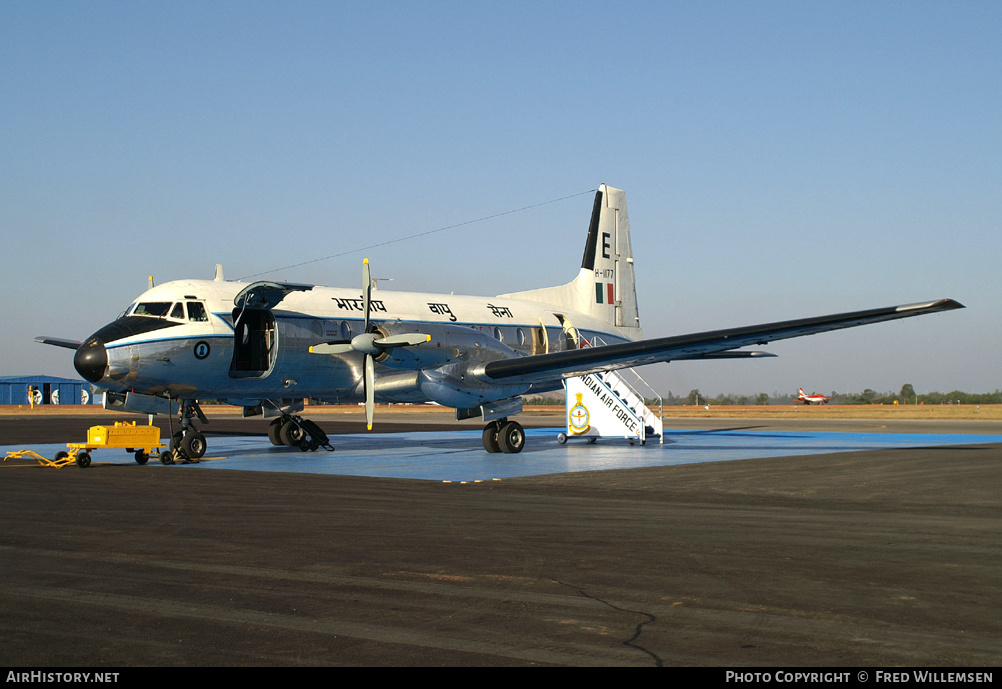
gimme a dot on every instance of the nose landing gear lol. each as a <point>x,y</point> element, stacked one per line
<point>187,444</point>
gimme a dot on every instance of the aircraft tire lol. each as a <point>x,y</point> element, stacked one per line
<point>511,439</point>
<point>274,429</point>
<point>491,431</point>
<point>193,445</point>
<point>291,434</point>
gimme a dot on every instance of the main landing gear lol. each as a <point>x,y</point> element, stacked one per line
<point>295,431</point>
<point>504,436</point>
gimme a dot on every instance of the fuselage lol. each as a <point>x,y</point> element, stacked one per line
<point>190,340</point>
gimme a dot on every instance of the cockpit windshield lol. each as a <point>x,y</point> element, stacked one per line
<point>152,308</point>
<point>196,312</point>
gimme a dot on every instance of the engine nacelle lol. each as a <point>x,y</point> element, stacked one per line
<point>445,363</point>
<point>455,386</point>
<point>449,344</point>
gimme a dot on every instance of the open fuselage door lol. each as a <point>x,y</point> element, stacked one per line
<point>255,330</point>
<point>255,345</point>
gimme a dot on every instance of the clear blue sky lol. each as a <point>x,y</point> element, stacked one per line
<point>781,159</point>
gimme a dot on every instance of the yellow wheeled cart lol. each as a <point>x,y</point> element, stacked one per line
<point>142,441</point>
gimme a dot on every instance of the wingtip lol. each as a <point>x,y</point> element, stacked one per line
<point>947,304</point>
<point>937,305</point>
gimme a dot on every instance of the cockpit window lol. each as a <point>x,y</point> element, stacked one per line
<point>178,311</point>
<point>152,308</point>
<point>196,312</point>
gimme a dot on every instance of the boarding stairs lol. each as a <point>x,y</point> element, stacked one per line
<point>601,405</point>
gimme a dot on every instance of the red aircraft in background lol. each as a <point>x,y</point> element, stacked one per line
<point>813,398</point>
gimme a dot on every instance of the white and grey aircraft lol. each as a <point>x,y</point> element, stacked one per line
<point>267,346</point>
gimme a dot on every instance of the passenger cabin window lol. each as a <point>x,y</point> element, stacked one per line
<point>178,311</point>
<point>196,312</point>
<point>152,308</point>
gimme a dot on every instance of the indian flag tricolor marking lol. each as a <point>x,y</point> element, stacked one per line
<point>610,295</point>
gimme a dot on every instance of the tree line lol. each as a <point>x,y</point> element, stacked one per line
<point>906,395</point>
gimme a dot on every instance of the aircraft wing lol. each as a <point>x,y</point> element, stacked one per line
<point>58,342</point>
<point>548,367</point>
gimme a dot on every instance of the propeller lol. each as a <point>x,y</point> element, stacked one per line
<point>371,344</point>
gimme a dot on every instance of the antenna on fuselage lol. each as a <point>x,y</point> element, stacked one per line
<point>219,273</point>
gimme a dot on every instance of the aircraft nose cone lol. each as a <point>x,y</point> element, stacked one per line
<point>91,360</point>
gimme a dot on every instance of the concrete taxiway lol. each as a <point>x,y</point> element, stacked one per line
<point>459,455</point>
<point>873,553</point>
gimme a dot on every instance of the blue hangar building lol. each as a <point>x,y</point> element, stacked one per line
<point>45,390</point>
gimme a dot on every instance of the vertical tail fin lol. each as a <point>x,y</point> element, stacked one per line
<point>607,266</point>
<point>604,288</point>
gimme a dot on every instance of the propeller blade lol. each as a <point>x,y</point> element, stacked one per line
<point>369,343</point>
<point>331,348</point>
<point>402,340</point>
<point>370,390</point>
<point>366,291</point>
